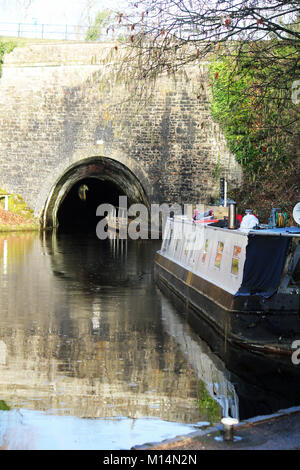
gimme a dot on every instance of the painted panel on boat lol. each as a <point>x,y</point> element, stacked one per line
<point>216,255</point>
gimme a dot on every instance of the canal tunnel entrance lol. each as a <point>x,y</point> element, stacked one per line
<point>74,198</point>
<point>77,212</point>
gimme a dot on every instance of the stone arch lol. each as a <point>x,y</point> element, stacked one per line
<point>103,169</point>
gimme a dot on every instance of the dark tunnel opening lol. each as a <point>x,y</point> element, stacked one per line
<point>77,212</point>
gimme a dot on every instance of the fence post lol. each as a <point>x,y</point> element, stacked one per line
<point>66,35</point>
<point>42,31</point>
<point>19,29</point>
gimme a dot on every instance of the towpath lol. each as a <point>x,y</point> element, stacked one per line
<point>280,431</point>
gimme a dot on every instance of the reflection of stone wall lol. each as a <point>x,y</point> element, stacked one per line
<point>208,367</point>
<point>54,112</point>
<point>86,348</point>
<point>41,384</point>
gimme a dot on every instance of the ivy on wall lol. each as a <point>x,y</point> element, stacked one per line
<point>261,125</point>
<point>257,117</point>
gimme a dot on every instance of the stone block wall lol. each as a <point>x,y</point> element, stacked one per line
<point>55,111</point>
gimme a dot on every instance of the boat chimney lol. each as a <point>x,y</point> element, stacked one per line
<point>232,215</point>
<point>228,424</point>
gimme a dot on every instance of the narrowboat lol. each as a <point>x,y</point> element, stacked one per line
<point>242,283</point>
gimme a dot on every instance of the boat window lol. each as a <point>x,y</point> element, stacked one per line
<point>192,250</point>
<point>235,259</point>
<point>186,249</point>
<point>219,254</point>
<point>167,240</point>
<point>205,251</point>
<point>170,237</point>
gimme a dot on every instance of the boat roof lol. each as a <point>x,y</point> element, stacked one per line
<point>284,231</point>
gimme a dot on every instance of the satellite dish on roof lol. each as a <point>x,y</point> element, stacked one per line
<point>296,213</point>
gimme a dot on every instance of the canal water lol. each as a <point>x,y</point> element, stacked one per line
<point>94,356</point>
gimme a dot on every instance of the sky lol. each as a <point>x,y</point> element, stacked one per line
<point>71,12</point>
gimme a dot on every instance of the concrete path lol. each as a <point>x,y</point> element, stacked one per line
<point>280,431</point>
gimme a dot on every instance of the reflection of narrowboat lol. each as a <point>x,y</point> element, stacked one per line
<point>243,283</point>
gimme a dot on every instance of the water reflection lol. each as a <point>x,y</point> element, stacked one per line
<point>208,367</point>
<point>85,334</point>
<point>82,335</point>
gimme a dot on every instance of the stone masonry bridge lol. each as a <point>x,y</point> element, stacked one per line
<point>57,132</point>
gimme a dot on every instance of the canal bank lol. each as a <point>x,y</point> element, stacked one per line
<point>278,431</point>
<point>10,222</point>
<point>15,215</point>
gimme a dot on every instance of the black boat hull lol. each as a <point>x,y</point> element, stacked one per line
<point>258,324</point>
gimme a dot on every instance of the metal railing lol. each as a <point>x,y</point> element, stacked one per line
<point>44,31</point>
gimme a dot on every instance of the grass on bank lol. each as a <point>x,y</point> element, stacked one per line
<point>19,217</point>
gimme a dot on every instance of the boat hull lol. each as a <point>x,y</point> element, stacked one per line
<point>253,322</point>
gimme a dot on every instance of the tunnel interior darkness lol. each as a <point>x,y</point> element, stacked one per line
<point>77,212</point>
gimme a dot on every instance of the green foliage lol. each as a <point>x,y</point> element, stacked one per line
<point>6,46</point>
<point>255,117</point>
<point>4,406</point>
<point>97,30</point>
<point>208,407</point>
<point>17,205</point>
<point>251,100</point>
